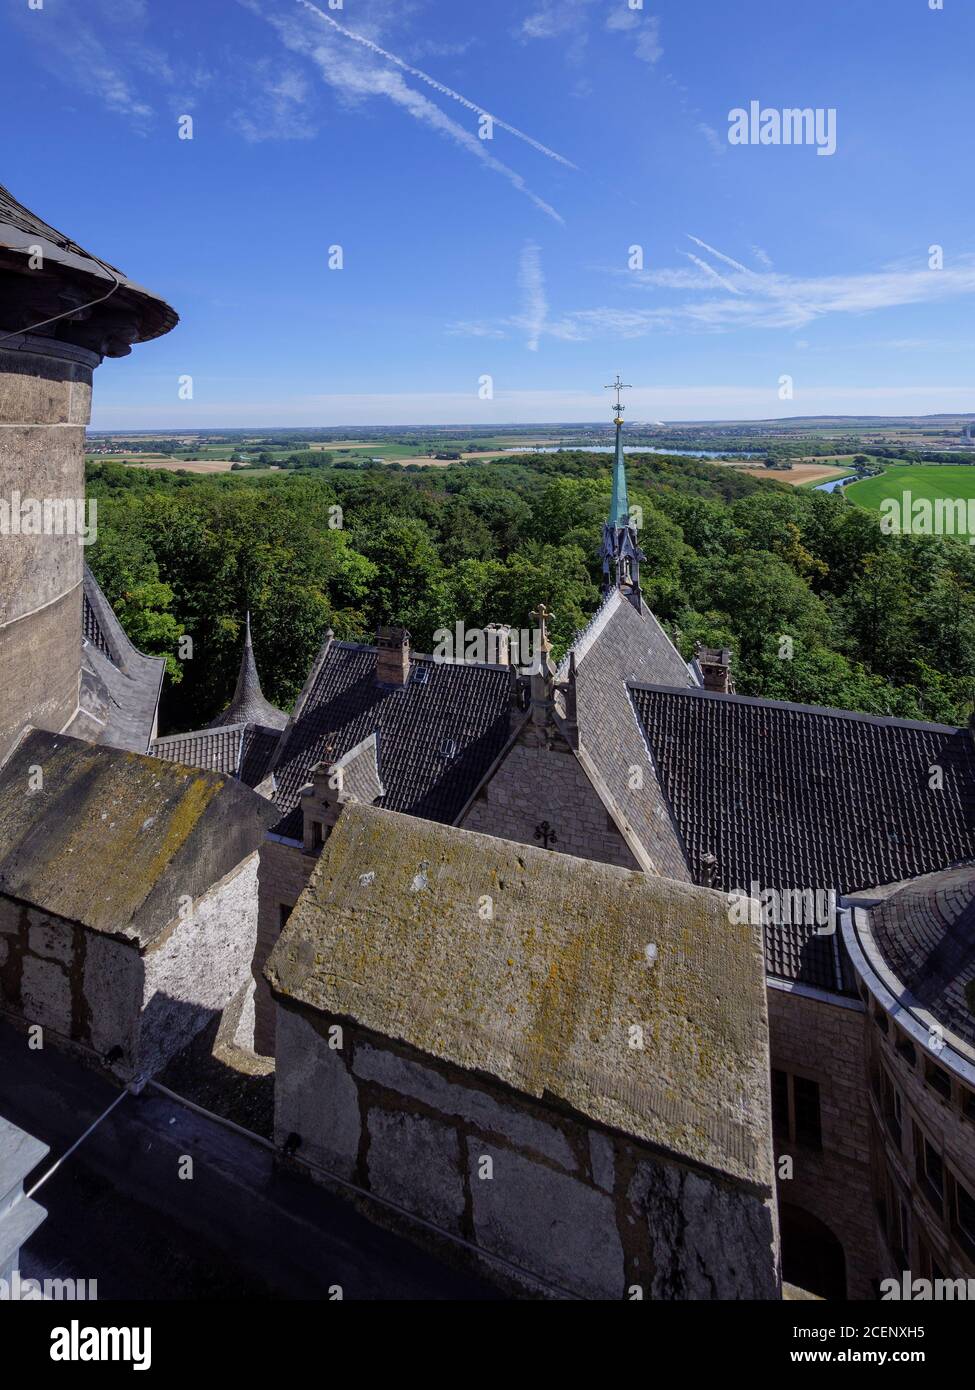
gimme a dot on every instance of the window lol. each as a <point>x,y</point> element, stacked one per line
<point>938,1079</point>
<point>906,1049</point>
<point>317,834</point>
<point>968,1103</point>
<point>809,1131</point>
<point>284,912</point>
<point>795,1110</point>
<point>930,1170</point>
<point>880,1018</point>
<point>963,1215</point>
<point>890,1104</point>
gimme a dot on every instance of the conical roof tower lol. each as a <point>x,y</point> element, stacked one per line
<point>249,705</point>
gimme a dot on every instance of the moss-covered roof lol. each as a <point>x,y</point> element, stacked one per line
<point>533,967</point>
<point>115,840</point>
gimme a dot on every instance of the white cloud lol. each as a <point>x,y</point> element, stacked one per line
<point>552,19</point>
<point>532,282</point>
<point>276,105</point>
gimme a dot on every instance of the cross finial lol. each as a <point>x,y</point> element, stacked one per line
<point>618,386</point>
<point>541,614</point>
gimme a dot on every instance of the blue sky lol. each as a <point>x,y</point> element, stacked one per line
<point>359,126</point>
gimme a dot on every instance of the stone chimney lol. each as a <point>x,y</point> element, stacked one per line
<point>715,664</point>
<point>498,644</point>
<point>393,656</point>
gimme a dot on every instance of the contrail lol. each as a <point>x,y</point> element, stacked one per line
<point>703,265</point>
<point>438,86</point>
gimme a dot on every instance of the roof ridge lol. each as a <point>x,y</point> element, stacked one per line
<point>887,720</point>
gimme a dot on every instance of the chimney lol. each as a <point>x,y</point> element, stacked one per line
<point>393,656</point>
<point>715,664</point>
<point>498,644</point>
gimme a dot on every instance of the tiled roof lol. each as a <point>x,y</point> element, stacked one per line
<point>926,935</point>
<point>120,686</point>
<point>793,796</point>
<point>239,750</point>
<point>624,644</point>
<point>21,230</point>
<point>437,735</point>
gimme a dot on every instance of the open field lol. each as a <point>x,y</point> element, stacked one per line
<point>801,475</point>
<point>924,482</point>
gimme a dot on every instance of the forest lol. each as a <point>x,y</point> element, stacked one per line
<point>817,605</point>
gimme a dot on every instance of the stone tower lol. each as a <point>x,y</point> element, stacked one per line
<point>61,312</point>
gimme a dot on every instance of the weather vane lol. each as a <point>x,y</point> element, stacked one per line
<point>618,386</point>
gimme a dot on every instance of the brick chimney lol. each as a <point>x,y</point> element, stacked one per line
<point>393,656</point>
<point>715,664</point>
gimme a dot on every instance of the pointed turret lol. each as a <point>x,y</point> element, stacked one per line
<point>621,553</point>
<point>249,705</point>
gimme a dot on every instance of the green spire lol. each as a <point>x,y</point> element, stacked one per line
<point>619,507</point>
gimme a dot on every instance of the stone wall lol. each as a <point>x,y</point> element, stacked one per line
<point>943,1122</point>
<point>104,995</point>
<point>568,1208</point>
<point>284,874</point>
<point>824,1042</point>
<point>536,784</point>
<point>45,402</point>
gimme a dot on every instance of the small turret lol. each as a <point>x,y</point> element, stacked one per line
<point>249,705</point>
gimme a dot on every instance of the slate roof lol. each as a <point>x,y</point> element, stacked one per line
<point>135,313</point>
<point>621,644</point>
<point>543,996</point>
<point>238,750</point>
<point>437,735</point>
<point>115,840</point>
<point>120,686</point>
<point>794,796</point>
<point>925,933</point>
<point>249,705</point>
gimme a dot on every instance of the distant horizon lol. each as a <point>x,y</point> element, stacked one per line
<point>549,425</point>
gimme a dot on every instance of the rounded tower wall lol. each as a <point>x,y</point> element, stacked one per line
<point>45,404</point>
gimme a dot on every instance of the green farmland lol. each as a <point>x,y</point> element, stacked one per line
<point>924,483</point>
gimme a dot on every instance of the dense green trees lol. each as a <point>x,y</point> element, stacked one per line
<point>817,604</point>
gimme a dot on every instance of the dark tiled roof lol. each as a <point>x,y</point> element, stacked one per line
<point>120,686</point>
<point>926,934</point>
<point>249,705</point>
<point>792,796</point>
<point>239,750</point>
<point>437,735</point>
<point>21,229</point>
<point>624,644</point>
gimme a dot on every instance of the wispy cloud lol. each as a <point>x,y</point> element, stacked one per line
<point>532,283</point>
<point>572,19</point>
<point>753,299</point>
<point>276,105</point>
<point>437,86</point>
<point>357,71</point>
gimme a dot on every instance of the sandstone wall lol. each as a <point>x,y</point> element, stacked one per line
<point>824,1043</point>
<point>574,1208</point>
<point>45,402</point>
<point>540,784</point>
